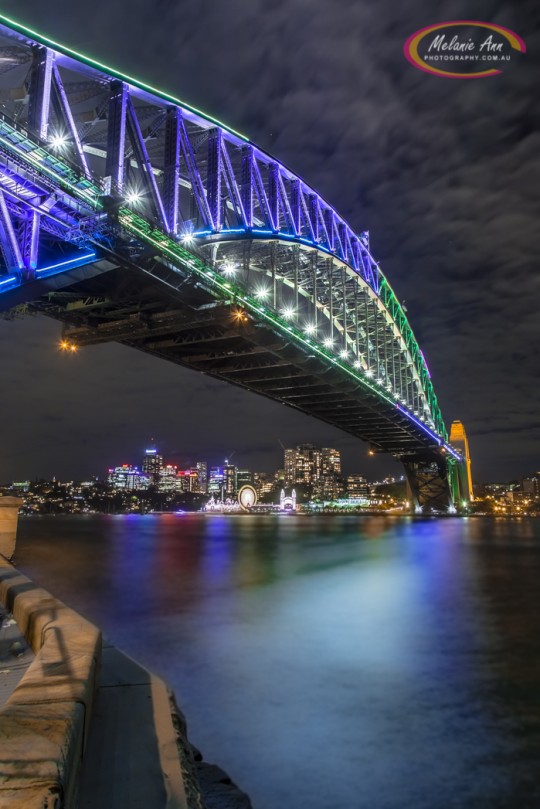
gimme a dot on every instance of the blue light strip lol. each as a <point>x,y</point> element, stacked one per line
<point>9,280</point>
<point>72,262</point>
<point>433,435</point>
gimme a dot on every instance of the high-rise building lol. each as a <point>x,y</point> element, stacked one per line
<point>202,475</point>
<point>187,480</point>
<point>229,472</point>
<point>330,461</point>
<point>152,465</point>
<point>127,477</point>
<point>167,478</point>
<point>243,478</point>
<point>216,479</point>
<point>263,482</point>
<point>303,465</point>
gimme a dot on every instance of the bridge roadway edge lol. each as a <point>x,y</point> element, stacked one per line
<point>87,726</point>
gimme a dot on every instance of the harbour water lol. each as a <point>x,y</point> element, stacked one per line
<point>334,662</point>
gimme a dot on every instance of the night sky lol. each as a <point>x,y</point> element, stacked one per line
<point>443,173</point>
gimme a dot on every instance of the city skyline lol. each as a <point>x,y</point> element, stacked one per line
<point>457,251</point>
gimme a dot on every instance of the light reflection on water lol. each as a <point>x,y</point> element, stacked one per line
<point>326,662</point>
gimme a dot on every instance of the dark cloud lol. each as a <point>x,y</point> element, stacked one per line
<point>443,173</point>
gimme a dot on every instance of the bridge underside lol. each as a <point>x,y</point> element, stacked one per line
<point>148,307</point>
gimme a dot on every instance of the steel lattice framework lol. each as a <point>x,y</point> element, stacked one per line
<point>101,173</point>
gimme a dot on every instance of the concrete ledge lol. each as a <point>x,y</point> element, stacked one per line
<point>45,723</point>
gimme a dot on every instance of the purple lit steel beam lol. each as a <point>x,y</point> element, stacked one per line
<point>194,176</point>
<point>8,238</point>
<point>213,181</point>
<point>40,91</point>
<point>30,240</point>
<point>116,134</point>
<point>285,206</point>
<point>232,186</point>
<point>145,167</point>
<point>247,184</point>
<point>273,183</point>
<point>65,110</point>
<point>258,187</point>
<point>171,169</point>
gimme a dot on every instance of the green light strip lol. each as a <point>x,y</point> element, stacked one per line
<point>23,29</point>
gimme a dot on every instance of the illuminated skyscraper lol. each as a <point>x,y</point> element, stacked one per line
<point>152,465</point>
<point>202,473</point>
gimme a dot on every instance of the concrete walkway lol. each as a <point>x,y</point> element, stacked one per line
<point>133,756</point>
<point>15,656</point>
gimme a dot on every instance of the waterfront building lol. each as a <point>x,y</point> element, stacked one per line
<point>128,478</point>
<point>357,487</point>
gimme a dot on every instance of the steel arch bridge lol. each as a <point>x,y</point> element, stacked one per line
<point>131,216</point>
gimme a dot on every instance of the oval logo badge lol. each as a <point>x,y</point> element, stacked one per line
<point>463,49</point>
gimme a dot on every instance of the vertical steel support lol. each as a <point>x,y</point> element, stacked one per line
<point>247,184</point>
<point>313,260</point>
<point>30,241</point>
<point>144,164</point>
<point>295,204</point>
<point>116,135</point>
<point>213,183</point>
<point>314,215</point>
<point>40,91</point>
<point>273,181</point>
<point>8,238</point>
<point>344,295</point>
<point>65,111</point>
<point>171,169</point>
<point>329,220</point>
<point>295,263</point>
<point>331,296</point>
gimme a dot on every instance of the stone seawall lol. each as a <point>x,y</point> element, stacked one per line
<point>87,726</point>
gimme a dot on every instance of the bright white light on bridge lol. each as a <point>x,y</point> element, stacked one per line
<point>261,293</point>
<point>188,238</point>
<point>344,354</point>
<point>369,372</point>
<point>58,141</point>
<point>227,268</point>
<point>133,197</point>
<point>288,312</point>
<point>328,342</point>
<point>357,364</point>
<point>310,328</point>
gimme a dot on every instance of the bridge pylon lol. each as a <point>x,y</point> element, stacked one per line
<point>464,488</point>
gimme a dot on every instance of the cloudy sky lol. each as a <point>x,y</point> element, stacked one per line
<point>443,173</point>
